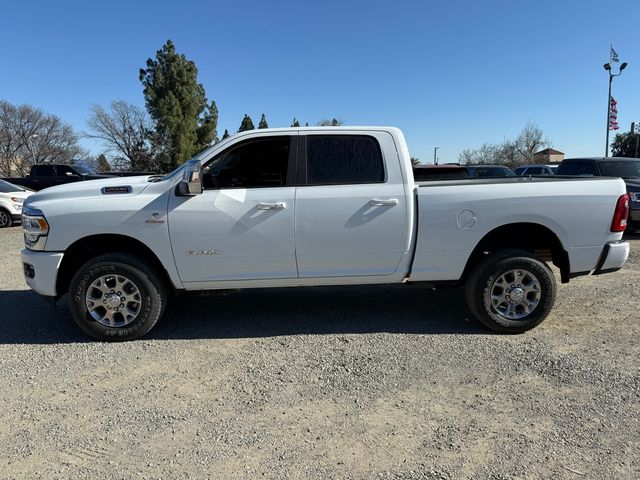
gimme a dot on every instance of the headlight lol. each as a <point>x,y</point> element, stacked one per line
<point>35,228</point>
<point>17,200</point>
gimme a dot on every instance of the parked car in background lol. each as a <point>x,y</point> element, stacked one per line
<point>49,175</point>
<point>489,171</point>
<point>11,199</point>
<point>626,168</point>
<point>424,173</point>
<point>536,169</point>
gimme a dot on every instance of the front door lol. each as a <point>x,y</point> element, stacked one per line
<point>242,226</point>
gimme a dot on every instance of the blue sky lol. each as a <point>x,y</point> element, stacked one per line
<point>453,74</point>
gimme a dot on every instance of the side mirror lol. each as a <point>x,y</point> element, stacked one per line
<point>191,183</point>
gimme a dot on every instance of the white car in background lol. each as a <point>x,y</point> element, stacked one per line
<point>11,200</point>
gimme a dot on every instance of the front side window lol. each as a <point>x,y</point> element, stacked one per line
<point>343,159</point>
<point>65,170</point>
<point>251,164</point>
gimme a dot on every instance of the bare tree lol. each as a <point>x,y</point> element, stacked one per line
<point>28,136</point>
<point>125,131</point>
<point>509,153</point>
<point>334,122</point>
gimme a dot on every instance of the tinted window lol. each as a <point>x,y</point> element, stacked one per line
<point>620,168</point>
<point>44,170</point>
<point>536,171</point>
<point>520,170</point>
<point>579,167</point>
<point>63,170</point>
<point>343,159</point>
<point>485,172</point>
<point>252,164</point>
<point>6,187</point>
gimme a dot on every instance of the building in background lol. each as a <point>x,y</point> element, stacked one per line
<point>548,156</point>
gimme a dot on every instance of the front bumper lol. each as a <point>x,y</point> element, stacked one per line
<point>613,257</point>
<point>41,271</point>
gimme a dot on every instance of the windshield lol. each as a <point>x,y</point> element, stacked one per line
<point>6,187</point>
<point>83,170</point>
<point>620,168</point>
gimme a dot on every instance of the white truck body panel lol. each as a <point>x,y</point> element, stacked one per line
<point>578,213</point>
<point>328,234</point>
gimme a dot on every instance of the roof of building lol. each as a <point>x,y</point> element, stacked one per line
<point>549,151</point>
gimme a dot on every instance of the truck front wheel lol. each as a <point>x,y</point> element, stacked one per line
<point>116,297</point>
<point>510,291</point>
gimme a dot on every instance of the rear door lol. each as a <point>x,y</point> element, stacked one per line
<point>350,214</point>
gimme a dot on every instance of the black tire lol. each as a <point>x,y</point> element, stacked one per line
<point>486,276</point>
<point>148,297</point>
<point>5,218</point>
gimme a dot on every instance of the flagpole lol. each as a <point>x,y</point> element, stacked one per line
<point>606,147</point>
<point>613,58</point>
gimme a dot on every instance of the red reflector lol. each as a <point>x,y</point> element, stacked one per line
<point>619,223</point>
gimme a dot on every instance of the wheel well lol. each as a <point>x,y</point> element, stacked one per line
<point>532,237</point>
<point>90,247</point>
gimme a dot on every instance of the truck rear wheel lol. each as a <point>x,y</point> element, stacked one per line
<point>116,297</point>
<point>510,291</point>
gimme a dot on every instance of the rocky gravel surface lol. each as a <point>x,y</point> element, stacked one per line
<point>351,383</point>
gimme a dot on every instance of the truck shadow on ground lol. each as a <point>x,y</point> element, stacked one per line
<point>408,309</point>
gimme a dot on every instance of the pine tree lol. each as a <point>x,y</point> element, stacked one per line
<point>225,134</point>
<point>295,122</point>
<point>103,164</point>
<point>247,124</point>
<point>184,120</point>
<point>263,122</point>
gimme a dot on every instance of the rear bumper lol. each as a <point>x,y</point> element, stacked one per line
<point>613,257</point>
<point>41,271</point>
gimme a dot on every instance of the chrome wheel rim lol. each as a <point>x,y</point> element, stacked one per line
<point>113,300</point>
<point>515,294</point>
<point>4,219</point>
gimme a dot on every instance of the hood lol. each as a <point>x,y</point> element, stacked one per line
<point>93,188</point>
<point>17,194</point>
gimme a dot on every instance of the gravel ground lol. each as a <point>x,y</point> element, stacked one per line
<point>379,382</point>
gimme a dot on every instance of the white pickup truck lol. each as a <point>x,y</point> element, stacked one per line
<point>315,206</point>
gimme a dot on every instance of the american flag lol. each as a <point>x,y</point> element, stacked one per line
<point>614,55</point>
<point>613,115</point>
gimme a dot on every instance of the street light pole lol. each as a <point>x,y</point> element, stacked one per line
<point>435,155</point>
<point>607,67</point>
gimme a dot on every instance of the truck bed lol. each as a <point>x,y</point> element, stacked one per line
<point>455,215</point>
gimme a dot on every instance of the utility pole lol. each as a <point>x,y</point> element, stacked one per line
<point>435,155</point>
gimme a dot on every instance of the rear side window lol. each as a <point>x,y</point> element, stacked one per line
<point>44,170</point>
<point>535,171</point>
<point>343,159</point>
<point>580,167</point>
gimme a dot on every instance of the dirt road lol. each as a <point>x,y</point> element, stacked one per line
<point>379,382</point>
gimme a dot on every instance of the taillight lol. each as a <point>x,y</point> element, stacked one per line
<point>621,214</point>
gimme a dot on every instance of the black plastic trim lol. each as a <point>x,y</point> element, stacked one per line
<point>603,258</point>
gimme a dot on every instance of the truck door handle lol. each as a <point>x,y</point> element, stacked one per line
<point>271,206</point>
<point>391,202</point>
